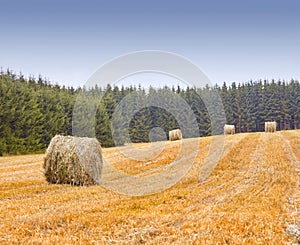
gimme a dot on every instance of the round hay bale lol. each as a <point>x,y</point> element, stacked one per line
<point>175,134</point>
<point>73,160</point>
<point>229,129</point>
<point>270,127</point>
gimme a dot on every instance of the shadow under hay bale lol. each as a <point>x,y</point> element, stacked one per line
<point>73,160</point>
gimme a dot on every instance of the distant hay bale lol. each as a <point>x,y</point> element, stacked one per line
<point>73,160</point>
<point>270,127</point>
<point>175,134</point>
<point>229,129</point>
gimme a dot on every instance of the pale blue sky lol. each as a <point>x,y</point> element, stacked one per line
<point>66,41</point>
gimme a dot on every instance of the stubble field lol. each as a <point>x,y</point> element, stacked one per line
<point>252,196</point>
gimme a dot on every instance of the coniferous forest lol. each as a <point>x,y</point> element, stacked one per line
<point>33,110</point>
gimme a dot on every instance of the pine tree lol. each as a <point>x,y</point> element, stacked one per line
<point>102,127</point>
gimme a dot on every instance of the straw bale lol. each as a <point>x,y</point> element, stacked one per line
<point>229,129</point>
<point>175,134</point>
<point>270,127</point>
<point>73,160</point>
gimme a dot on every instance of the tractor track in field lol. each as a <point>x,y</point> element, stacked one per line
<point>250,173</point>
<point>246,177</point>
<point>13,167</point>
<point>293,202</point>
<point>230,185</point>
<point>295,163</point>
<point>223,146</point>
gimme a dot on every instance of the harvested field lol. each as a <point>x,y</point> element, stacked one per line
<point>252,196</point>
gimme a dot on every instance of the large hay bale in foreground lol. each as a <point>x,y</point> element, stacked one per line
<point>175,134</point>
<point>73,160</point>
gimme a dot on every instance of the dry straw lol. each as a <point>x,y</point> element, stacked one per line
<point>73,160</point>
<point>175,134</point>
<point>270,127</point>
<point>229,129</point>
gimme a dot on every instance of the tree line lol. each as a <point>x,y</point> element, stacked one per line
<point>32,110</point>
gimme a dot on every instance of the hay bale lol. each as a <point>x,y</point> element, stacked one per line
<point>270,127</point>
<point>229,129</point>
<point>293,230</point>
<point>175,134</point>
<point>73,160</point>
